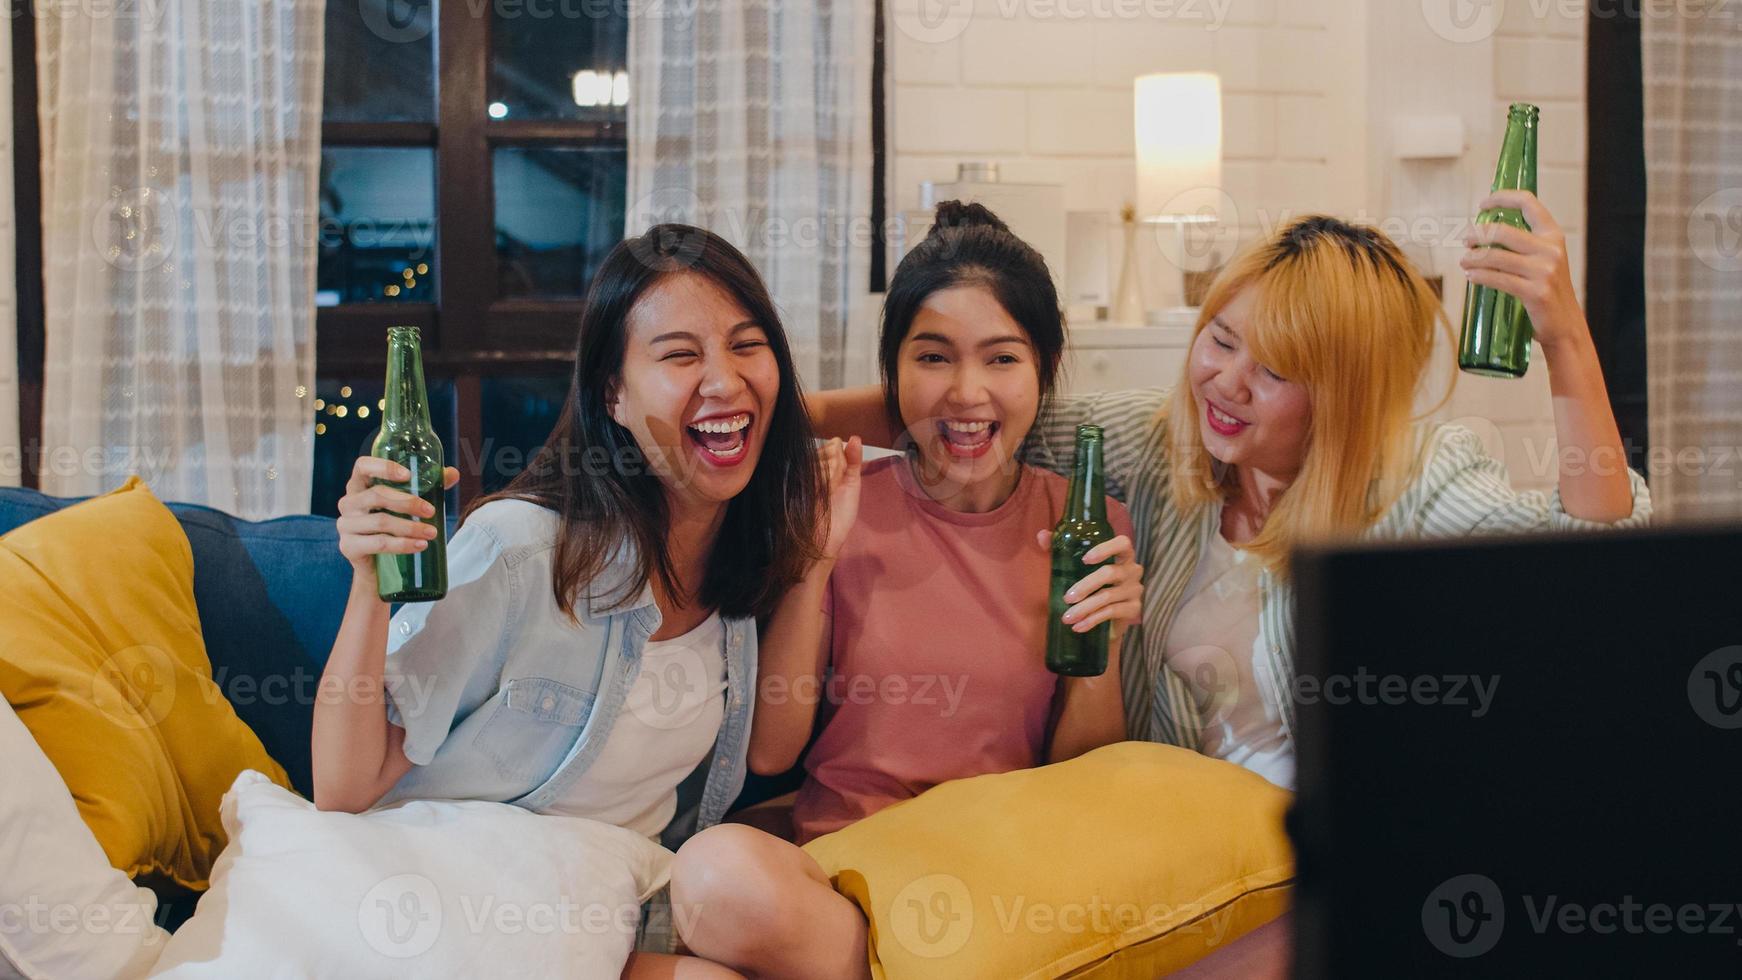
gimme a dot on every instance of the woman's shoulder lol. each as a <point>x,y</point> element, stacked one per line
<point>881,468</point>
<point>1441,449</point>
<point>1439,457</point>
<point>515,524</point>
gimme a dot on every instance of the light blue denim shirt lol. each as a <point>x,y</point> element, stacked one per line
<point>503,697</point>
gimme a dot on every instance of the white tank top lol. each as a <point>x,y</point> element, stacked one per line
<point>668,725</point>
<point>1211,646</point>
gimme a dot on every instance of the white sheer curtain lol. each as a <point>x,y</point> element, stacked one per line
<point>11,461</point>
<point>1693,263</point>
<point>753,119</point>
<point>180,153</point>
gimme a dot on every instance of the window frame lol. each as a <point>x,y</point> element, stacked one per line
<point>27,225</point>
<point>469,332</point>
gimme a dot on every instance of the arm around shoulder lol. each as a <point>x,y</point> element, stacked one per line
<point>794,651</point>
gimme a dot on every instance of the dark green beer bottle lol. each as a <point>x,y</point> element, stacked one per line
<point>1083,525</point>
<point>1496,336</point>
<point>407,438</point>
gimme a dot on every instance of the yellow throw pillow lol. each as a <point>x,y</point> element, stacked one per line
<point>102,658</point>
<point>1132,861</point>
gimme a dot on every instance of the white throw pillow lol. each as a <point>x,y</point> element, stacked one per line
<point>421,889</point>
<point>65,913</point>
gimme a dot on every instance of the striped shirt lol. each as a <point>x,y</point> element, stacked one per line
<point>1458,489</point>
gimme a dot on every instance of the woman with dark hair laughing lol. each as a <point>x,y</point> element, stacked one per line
<point>597,644</point>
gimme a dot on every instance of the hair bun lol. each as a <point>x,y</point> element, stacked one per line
<point>963,214</point>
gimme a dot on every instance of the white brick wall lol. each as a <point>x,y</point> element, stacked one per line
<point>1043,88</point>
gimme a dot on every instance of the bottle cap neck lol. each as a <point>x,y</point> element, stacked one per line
<point>1088,498</point>
<point>406,400</point>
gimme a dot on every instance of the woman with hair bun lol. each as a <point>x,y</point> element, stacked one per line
<point>921,631</point>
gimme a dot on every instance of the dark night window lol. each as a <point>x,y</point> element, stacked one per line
<point>473,169</point>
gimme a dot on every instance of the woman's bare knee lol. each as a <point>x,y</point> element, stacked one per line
<point>732,882</point>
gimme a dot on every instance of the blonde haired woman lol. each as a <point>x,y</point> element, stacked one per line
<point>1294,420</point>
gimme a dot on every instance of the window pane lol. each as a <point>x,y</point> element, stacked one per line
<point>559,61</point>
<point>380,61</point>
<point>347,416</point>
<point>558,211</point>
<point>518,413</point>
<point>377,226</point>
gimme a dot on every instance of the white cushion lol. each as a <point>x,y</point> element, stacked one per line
<point>461,889</point>
<point>64,912</point>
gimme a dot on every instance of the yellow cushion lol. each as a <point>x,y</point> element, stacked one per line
<point>101,657</point>
<point>1131,861</point>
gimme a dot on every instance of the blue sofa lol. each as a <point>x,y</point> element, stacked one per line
<point>270,597</point>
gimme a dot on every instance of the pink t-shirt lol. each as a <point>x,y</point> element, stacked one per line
<point>938,646</point>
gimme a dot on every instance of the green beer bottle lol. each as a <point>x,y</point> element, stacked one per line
<point>1083,525</point>
<point>407,438</point>
<point>1496,335</point>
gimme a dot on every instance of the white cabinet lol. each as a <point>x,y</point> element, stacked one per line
<point>1108,357</point>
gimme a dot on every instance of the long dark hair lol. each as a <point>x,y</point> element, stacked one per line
<point>592,473</point>
<point>970,246</point>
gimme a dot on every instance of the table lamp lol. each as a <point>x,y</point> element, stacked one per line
<point>1179,160</point>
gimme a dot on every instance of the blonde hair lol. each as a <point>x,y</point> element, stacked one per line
<point>1339,310</point>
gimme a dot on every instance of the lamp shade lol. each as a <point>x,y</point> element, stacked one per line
<point>1179,144</point>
